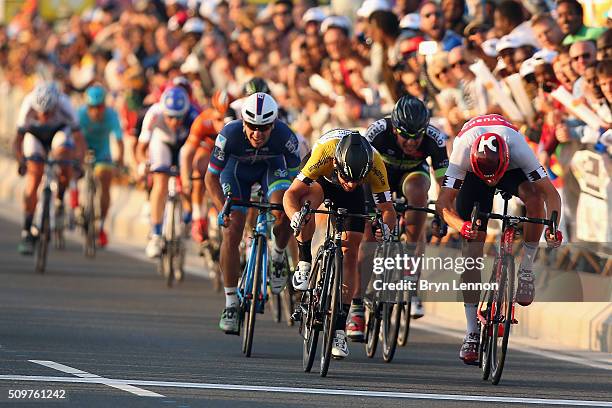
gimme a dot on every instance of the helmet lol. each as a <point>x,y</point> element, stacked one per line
<point>259,109</point>
<point>490,157</point>
<point>175,102</point>
<point>183,82</point>
<point>46,97</point>
<point>221,100</point>
<point>256,84</point>
<point>95,95</point>
<point>410,117</point>
<point>353,157</point>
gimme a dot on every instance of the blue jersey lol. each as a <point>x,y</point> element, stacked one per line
<point>97,134</point>
<point>232,143</point>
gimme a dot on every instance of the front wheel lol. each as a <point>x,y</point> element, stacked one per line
<point>372,329</point>
<point>329,302</point>
<point>404,329</point>
<point>251,309</point>
<point>502,319</point>
<point>309,326</point>
<point>391,315</point>
<point>44,234</point>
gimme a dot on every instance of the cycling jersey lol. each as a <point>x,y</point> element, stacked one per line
<point>380,135</point>
<point>62,114</point>
<point>156,114</point>
<point>97,134</point>
<point>320,164</point>
<point>203,132</point>
<point>521,155</point>
<point>240,165</point>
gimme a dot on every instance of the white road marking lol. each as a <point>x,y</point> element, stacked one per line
<point>96,378</point>
<point>315,391</point>
<point>518,345</point>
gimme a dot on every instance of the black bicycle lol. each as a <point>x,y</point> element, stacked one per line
<point>321,303</point>
<point>496,311</point>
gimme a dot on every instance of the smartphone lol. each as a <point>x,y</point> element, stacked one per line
<point>428,48</point>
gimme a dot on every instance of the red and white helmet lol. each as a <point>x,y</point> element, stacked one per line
<point>259,109</point>
<point>490,158</point>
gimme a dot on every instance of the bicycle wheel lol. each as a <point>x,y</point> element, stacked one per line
<point>330,299</point>
<point>404,329</point>
<point>484,351</point>
<point>250,313</point>
<point>169,238</point>
<point>309,326</point>
<point>372,329</point>
<point>390,323</point>
<point>90,219</point>
<point>275,307</point>
<point>44,233</point>
<point>178,247</point>
<point>503,319</point>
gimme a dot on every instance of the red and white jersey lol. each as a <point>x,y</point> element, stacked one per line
<point>521,155</point>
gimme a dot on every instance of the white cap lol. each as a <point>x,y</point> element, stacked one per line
<point>336,21</point>
<point>489,47</point>
<point>314,14</point>
<point>194,25</point>
<point>411,21</point>
<point>545,56</point>
<point>173,23</point>
<point>191,65</point>
<point>207,10</point>
<point>507,42</point>
<point>528,67</point>
<point>370,6</point>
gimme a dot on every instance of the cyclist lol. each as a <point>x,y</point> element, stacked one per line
<point>46,124</point>
<point>405,140</point>
<point>489,153</point>
<point>97,122</point>
<point>341,161</point>
<point>196,153</point>
<point>259,148</point>
<point>164,131</point>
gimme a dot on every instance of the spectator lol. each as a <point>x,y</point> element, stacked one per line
<point>453,11</point>
<point>570,19</point>
<point>282,20</point>
<point>604,79</point>
<point>547,31</point>
<point>433,25</point>
<point>582,54</point>
<point>471,90</point>
<point>509,18</point>
<point>604,46</point>
<point>384,30</point>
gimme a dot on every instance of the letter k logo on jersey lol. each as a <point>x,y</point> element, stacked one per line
<point>487,141</point>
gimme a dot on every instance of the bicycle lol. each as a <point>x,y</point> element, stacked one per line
<point>172,258</point>
<point>496,311</point>
<point>89,210</point>
<point>391,314</point>
<point>321,303</point>
<point>43,231</point>
<point>252,293</point>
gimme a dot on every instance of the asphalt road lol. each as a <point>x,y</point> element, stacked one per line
<point>109,333</point>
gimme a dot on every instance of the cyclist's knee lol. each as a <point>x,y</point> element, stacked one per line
<point>415,189</point>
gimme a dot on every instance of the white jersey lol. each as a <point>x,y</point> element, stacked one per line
<point>63,114</point>
<point>153,125</point>
<point>521,155</point>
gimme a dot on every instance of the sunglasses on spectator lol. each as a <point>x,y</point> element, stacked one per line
<point>584,56</point>
<point>260,128</point>
<point>442,71</point>
<point>458,63</point>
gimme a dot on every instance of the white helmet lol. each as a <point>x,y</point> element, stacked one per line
<point>259,109</point>
<point>46,97</point>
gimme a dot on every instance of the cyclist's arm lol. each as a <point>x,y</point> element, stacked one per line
<point>292,199</point>
<point>388,213</point>
<point>188,152</point>
<point>445,206</point>
<point>213,186</point>
<point>17,145</point>
<point>217,163</point>
<point>550,195</point>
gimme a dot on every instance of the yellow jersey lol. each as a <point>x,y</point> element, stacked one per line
<point>321,164</point>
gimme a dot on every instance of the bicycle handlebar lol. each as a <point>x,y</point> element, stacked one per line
<point>229,202</point>
<point>551,223</point>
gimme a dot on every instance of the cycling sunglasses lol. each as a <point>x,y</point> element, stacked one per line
<point>261,128</point>
<point>408,135</point>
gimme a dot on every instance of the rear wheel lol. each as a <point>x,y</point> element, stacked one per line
<point>42,246</point>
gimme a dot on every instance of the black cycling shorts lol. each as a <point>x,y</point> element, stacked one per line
<point>475,190</point>
<point>353,201</point>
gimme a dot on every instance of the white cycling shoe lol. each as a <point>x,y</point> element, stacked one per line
<point>278,279</point>
<point>340,347</point>
<point>154,247</point>
<point>300,276</point>
<point>416,308</point>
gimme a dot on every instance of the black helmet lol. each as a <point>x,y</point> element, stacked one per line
<point>410,117</point>
<point>255,85</point>
<point>353,157</point>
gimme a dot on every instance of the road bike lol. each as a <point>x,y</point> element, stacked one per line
<point>496,311</point>
<point>172,258</point>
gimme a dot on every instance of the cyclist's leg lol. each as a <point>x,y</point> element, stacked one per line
<point>160,157</point>
<point>415,186</point>
<point>104,174</point>
<point>199,229</point>
<point>472,190</point>
<point>63,148</point>
<point>34,153</point>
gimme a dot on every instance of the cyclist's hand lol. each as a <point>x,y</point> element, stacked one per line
<point>22,168</point>
<point>223,221</point>
<point>296,223</point>
<point>468,231</point>
<point>383,232</point>
<point>553,240</point>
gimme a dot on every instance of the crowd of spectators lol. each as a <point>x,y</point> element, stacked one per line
<point>342,64</point>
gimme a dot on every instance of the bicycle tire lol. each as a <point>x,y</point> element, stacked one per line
<point>177,246</point>
<point>275,307</point>
<point>484,350</point>
<point>330,302</point>
<point>90,219</point>
<point>500,345</point>
<point>372,330</point>
<point>44,234</point>
<point>404,329</point>
<point>391,313</point>
<point>251,315</point>
<point>311,331</point>
<point>168,251</point>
